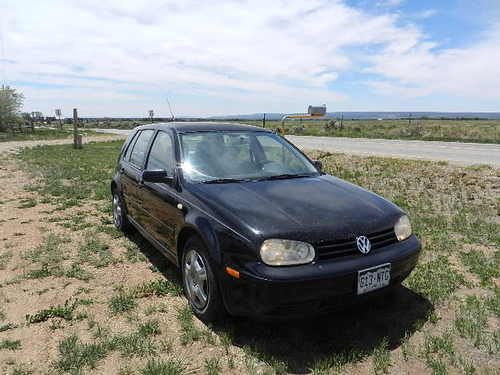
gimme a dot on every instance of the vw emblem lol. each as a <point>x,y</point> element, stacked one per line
<point>364,244</point>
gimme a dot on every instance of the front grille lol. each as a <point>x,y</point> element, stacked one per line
<point>336,249</point>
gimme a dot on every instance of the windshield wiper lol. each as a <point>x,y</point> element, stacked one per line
<point>225,180</point>
<point>285,176</point>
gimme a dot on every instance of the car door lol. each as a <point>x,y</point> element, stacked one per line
<point>131,172</point>
<point>160,199</point>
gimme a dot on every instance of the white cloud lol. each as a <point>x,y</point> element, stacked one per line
<point>428,13</point>
<point>123,58</point>
<point>467,72</point>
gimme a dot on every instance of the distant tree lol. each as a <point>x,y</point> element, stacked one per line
<point>11,103</point>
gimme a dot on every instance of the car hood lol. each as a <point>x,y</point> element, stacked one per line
<point>309,209</point>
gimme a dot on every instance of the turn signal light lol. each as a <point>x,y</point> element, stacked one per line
<point>232,272</point>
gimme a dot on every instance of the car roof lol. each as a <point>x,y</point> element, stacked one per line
<point>182,127</point>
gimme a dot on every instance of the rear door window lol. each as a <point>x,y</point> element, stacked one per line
<point>140,148</point>
<point>162,154</point>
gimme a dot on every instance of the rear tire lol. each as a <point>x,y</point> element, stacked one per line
<point>199,283</point>
<point>120,213</point>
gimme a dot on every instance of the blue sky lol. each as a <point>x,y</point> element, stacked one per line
<point>123,58</point>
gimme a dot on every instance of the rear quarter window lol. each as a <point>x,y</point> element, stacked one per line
<point>129,146</point>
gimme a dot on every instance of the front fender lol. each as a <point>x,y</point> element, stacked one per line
<point>220,240</point>
<point>202,227</point>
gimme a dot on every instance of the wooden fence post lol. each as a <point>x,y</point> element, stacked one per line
<point>77,138</point>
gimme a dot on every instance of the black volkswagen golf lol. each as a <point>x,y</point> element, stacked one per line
<point>255,226</point>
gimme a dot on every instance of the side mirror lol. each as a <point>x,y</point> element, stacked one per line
<point>158,175</point>
<point>319,165</point>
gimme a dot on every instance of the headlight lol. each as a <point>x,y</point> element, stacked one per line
<point>286,252</point>
<point>402,228</point>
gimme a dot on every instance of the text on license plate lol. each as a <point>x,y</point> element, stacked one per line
<point>374,278</point>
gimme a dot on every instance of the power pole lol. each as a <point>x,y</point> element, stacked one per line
<point>264,121</point>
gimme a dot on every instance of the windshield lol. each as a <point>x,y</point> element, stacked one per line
<point>225,156</point>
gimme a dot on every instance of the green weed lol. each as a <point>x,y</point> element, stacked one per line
<point>10,344</point>
<point>436,279</point>
<point>482,266</point>
<point>8,326</point>
<point>159,287</point>
<point>62,311</point>
<point>122,302</point>
<point>95,252</point>
<point>471,323</point>
<point>381,358</point>
<point>212,366</point>
<point>158,367</point>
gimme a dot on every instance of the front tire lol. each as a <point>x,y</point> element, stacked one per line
<point>200,286</point>
<point>119,213</point>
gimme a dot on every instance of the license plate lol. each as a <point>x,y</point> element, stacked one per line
<point>374,278</point>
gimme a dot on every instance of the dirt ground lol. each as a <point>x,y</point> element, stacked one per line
<point>24,233</point>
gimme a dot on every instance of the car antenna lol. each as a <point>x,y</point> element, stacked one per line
<point>170,109</point>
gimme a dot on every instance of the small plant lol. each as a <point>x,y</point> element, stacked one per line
<point>483,267</point>
<point>77,272</point>
<point>406,347</point>
<point>189,331</point>
<point>10,344</point>
<point>381,358</point>
<point>493,303</point>
<point>133,254</point>
<point>7,327</point>
<point>5,258</point>
<point>122,302</point>
<point>336,362</point>
<point>27,203</point>
<point>74,355</point>
<point>49,255</point>
<point>157,367</point>
<point>160,288</point>
<point>435,279</point>
<point>95,252</point>
<point>471,323</point>
<point>65,312</point>
<point>21,370</point>
<point>436,349</point>
<point>212,366</point>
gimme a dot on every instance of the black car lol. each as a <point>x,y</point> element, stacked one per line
<point>255,226</point>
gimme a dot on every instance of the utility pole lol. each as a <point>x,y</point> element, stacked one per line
<point>77,138</point>
<point>264,121</point>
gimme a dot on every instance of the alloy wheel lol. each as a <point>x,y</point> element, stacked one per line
<point>117,211</point>
<point>195,278</point>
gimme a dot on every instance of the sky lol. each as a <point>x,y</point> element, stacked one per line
<point>123,58</point>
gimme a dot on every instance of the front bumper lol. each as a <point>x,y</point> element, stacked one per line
<point>318,287</point>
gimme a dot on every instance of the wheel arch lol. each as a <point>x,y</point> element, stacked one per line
<point>201,229</point>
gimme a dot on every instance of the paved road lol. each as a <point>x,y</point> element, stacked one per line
<point>455,152</point>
